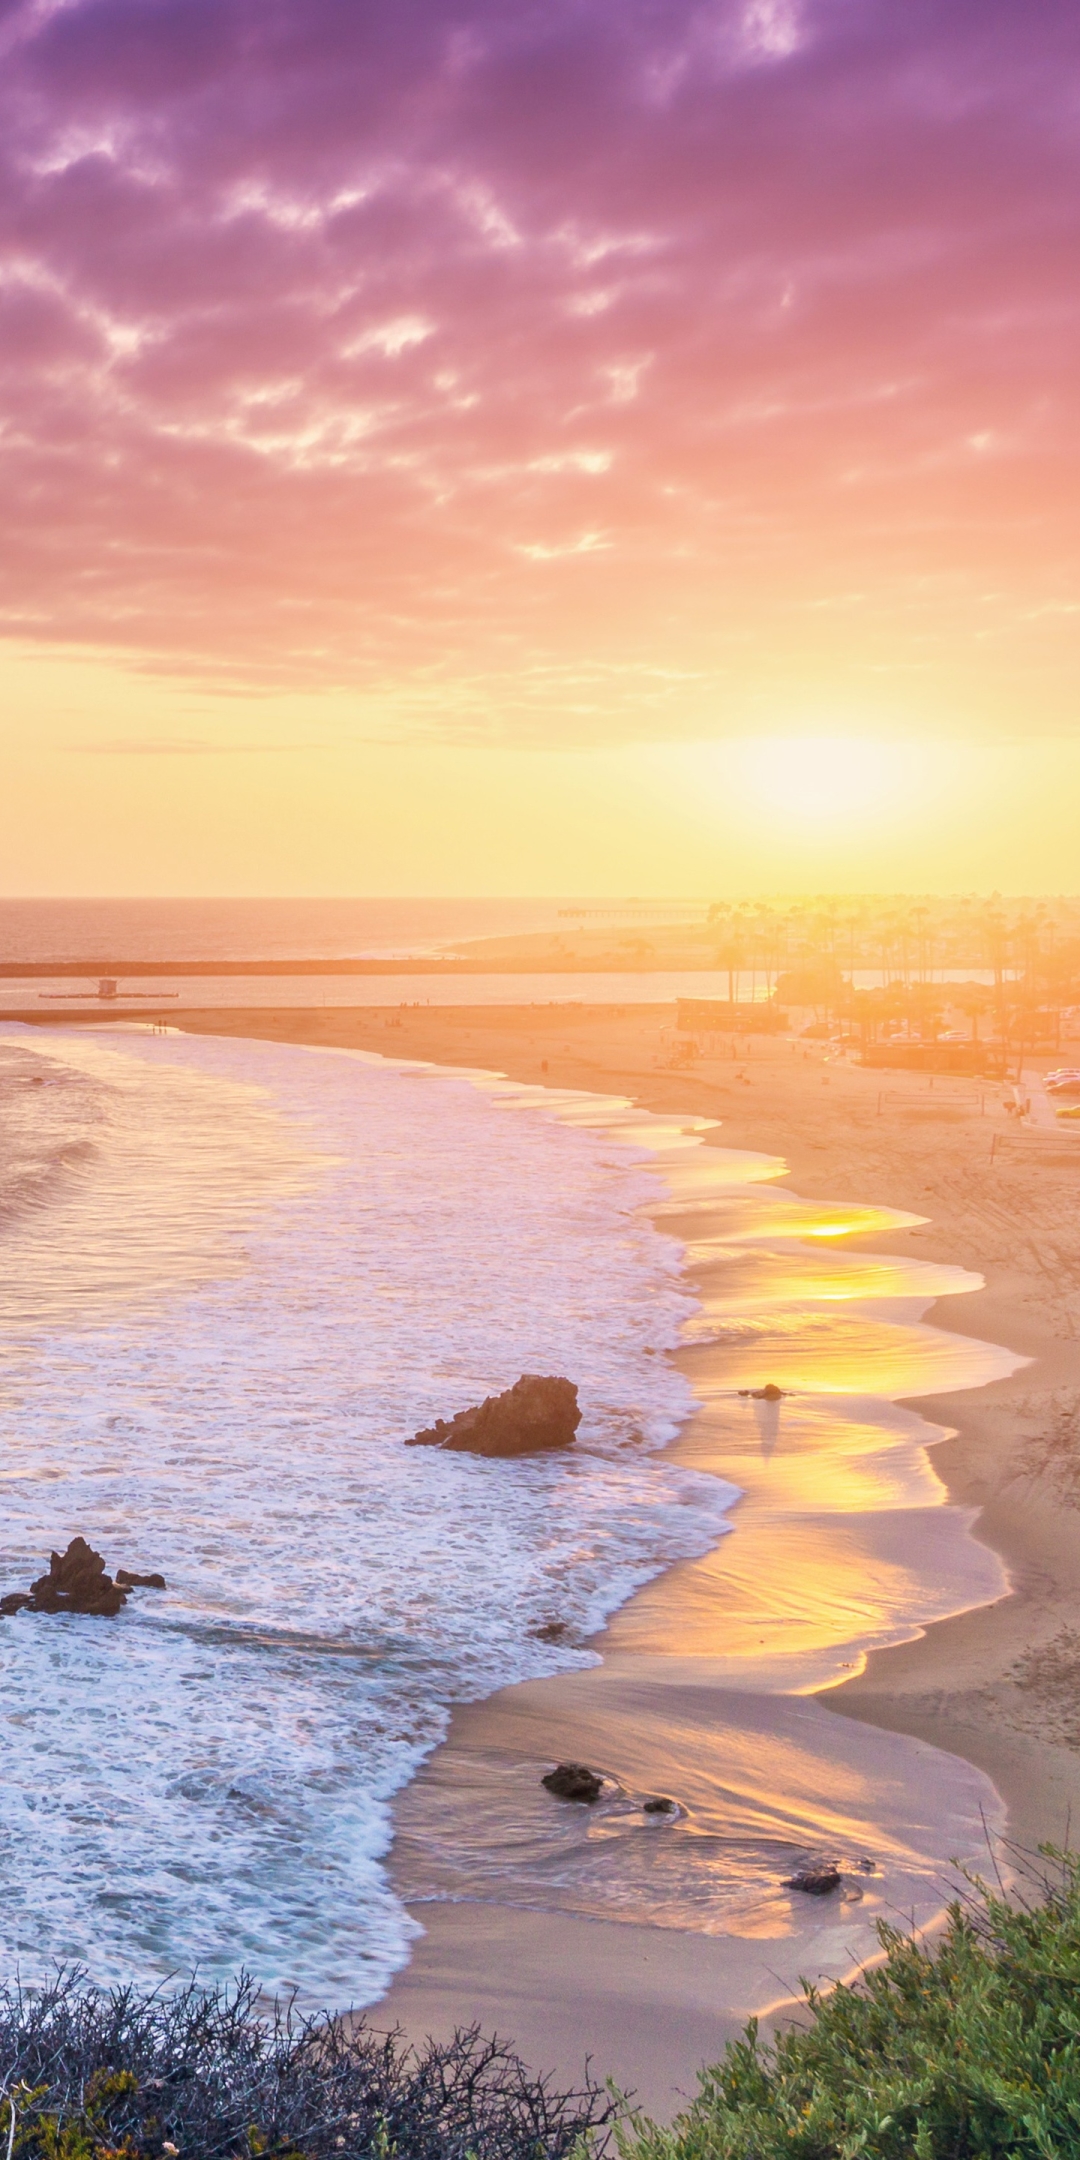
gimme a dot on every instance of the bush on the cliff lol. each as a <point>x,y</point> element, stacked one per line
<point>127,2075</point>
<point>965,2050</point>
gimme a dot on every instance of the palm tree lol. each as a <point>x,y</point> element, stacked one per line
<point>731,951</point>
<point>918,922</point>
<point>996,940</point>
<point>973,999</point>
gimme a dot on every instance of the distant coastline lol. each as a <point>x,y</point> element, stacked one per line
<point>529,964</point>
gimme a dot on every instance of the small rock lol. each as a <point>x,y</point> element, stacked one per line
<point>814,1882</point>
<point>769,1393</point>
<point>661,1805</point>
<point>15,1601</point>
<point>139,1582</point>
<point>574,1781</point>
<point>550,1631</point>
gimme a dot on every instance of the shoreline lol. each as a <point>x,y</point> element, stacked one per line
<point>672,2027</point>
<point>948,1685</point>
<point>671,1709</point>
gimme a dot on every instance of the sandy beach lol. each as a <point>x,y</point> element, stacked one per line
<point>994,1684</point>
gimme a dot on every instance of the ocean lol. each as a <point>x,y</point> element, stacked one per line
<point>56,930</point>
<point>236,1277</point>
<point>108,933</point>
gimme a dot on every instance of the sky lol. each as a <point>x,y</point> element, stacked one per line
<point>598,445</point>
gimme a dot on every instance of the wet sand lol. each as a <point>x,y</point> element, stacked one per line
<point>994,1685</point>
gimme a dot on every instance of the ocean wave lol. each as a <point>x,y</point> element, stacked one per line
<point>276,1266</point>
<point>46,1122</point>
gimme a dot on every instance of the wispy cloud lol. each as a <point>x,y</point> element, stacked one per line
<point>323,327</point>
<point>182,746</point>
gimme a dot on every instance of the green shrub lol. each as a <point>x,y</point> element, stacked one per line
<point>964,2050</point>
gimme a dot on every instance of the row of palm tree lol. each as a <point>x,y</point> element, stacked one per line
<point>811,953</point>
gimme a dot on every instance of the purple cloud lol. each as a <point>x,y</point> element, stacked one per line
<point>563,367</point>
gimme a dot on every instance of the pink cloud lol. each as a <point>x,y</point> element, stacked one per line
<point>366,345</point>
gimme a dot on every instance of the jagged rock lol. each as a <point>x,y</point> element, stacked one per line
<point>769,1393</point>
<point>574,1781</point>
<point>77,1582</point>
<point>815,1882</point>
<point>538,1413</point>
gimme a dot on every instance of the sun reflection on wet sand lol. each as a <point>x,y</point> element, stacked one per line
<point>843,1539</point>
<point>709,1690</point>
<point>850,1353</point>
<point>742,1279</point>
<point>763,1214</point>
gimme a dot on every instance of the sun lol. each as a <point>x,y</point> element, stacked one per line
<point>825,779</point>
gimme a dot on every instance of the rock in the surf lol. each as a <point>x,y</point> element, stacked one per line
<point>574,1781</point>
<point>540,1412</point>
<point>660,1804</point>
<point>77,1582</point>
<point>769,1393</point>
<point>814,1881</point>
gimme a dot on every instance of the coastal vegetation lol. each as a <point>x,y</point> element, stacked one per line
<point>968,2049</point>
<point>875,965</point>
<point>964,2049</point>
<point>124,2074</point>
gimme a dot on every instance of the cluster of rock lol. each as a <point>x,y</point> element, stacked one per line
<point>538,1413</point>
<point>575,1781</point>
<point>77,1583</point>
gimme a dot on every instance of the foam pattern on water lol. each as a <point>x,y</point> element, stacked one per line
<point>235,1278</point>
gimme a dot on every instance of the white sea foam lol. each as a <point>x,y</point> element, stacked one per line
<point>235,1278</point>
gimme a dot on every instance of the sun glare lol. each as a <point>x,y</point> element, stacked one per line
<point>819,779</point>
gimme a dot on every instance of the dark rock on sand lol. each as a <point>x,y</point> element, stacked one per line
<point>815,1882</point>
<point>769,1393</point>
<point>537,1414</point>
<point>574,1781</point>
<point>140,1582</point>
